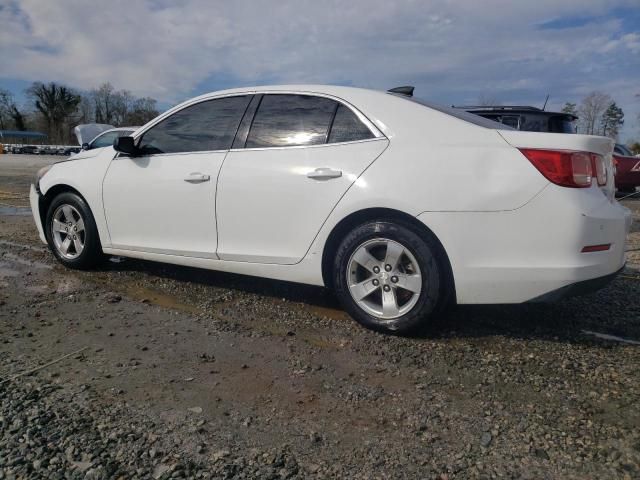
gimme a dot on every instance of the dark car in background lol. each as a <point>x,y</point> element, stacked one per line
<point>71,150</point>
<point>529,119</point>
<point>627,169</point>
<point>29,149</point>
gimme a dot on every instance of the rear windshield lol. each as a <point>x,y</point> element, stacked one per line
<point>461,114</point>
<point>623,150</point>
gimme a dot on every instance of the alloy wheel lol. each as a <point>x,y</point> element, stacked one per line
<point>384,278</point>
<point>68,231</point>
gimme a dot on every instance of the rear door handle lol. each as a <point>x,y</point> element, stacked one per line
<point>197,177</point>
<point>324,174</point>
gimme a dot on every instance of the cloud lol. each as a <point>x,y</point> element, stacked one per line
<point>453,51</point>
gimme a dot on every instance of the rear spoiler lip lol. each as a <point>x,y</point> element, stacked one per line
<point>558,141</point>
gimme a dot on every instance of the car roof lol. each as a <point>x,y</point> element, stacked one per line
<point>118,129</point>
<point>335,90</point>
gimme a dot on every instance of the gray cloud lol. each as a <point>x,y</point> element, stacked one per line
<point>453,51</point>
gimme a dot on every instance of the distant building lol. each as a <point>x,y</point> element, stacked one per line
<point>19,136</point>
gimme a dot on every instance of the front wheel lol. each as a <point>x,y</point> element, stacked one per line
<point>71,232</point>
<point>388,277</point>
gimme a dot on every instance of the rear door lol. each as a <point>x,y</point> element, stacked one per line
<point>277,187</point>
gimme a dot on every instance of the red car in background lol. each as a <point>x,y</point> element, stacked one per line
<point>627,169</point>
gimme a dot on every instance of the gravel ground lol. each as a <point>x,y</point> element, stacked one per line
<point>182,373</point>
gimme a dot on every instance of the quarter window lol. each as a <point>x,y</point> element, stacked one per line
<point>290,120</point>
<point>209,125</point>
<point>347,127</point>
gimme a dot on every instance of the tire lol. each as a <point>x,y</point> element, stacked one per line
<point>355,274</point>
<point>82,253</point>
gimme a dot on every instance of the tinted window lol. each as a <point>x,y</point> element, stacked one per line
<point>562,124</point>
<point>347,127</point>
<point>209,125</point>
<point>289,120</point>
<point>622,150</point>
<point>534,123</point>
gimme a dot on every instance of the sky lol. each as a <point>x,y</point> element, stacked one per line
<point>452,51</point>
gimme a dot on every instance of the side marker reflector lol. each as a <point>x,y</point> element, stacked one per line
<point>596,248</point>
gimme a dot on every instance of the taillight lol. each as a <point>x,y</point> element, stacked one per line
<point>600,168</point>
<point>562,167</point>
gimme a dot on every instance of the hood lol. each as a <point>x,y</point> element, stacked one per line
<point>82,155</point>
<point>88,131</point>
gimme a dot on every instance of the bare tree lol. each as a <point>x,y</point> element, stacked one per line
<point>487,101</point>
<point>142,110</point>
<point>123,101</point>
<point>85,109</point>
<point>112,106</point>
<point>104,103</point>
<point>56,104</point>
<point>590,111</point>
<point>6,108</point>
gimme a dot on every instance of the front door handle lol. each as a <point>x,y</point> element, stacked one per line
<point>324,174</point>
<point>197,177</point>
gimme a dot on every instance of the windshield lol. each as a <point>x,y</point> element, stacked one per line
<point>623,150</point>
<point>461,114</point>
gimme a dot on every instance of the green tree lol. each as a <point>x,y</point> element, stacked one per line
<point>570,108</point>
<point>56,103</point>
<point>611,121</point>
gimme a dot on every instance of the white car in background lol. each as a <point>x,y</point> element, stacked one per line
<point>350,189</point>
<point>106,138</point>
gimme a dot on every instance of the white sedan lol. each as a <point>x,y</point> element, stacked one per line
<point>401,207</point>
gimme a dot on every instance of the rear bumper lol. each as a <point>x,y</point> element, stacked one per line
<point>533,253</point>
<point>577,289</point>
<point>34,200</point>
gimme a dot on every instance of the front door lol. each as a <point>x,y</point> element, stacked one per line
<point>163,201</point>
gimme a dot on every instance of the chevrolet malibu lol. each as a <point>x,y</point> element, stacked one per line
<point>350,189</point>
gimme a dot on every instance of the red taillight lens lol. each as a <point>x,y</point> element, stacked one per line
<point>600,168</point>
<point>562,167</point>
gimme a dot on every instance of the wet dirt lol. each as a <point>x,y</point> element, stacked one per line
<point>516,391</point>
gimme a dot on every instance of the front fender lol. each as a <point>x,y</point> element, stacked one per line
<point>84,175</point>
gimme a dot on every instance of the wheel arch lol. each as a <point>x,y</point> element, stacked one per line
<point>384,214</point>
<point>46,198</point>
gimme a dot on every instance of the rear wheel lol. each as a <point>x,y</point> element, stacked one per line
<point>71,232</point>
<point>388,277</point>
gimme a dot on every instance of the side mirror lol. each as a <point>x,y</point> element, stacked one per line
<point>85,146</point>
<point>125,145</point>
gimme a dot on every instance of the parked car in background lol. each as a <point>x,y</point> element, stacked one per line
<point>71,150</point>
<point>105,139</point>
<point>627,169</point>
<point>351,189</point>
<point>30,149</point>
<point>529,119</point>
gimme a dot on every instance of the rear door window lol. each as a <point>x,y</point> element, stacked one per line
<point>285,120</point>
